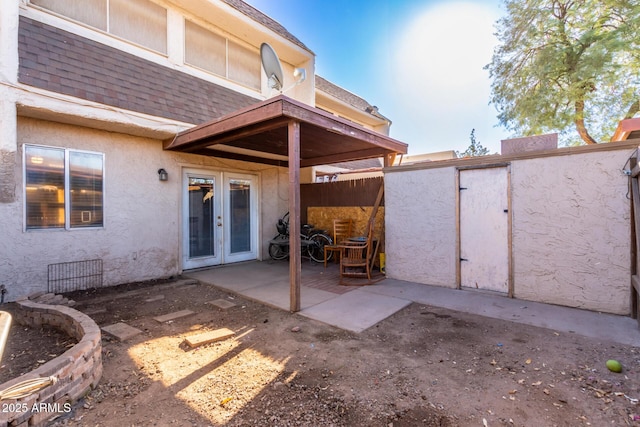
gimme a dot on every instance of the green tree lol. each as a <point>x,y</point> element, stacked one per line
<point>567,64</point>
<point>475,148</point>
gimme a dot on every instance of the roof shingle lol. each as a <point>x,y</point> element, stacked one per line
<point>62,62</point>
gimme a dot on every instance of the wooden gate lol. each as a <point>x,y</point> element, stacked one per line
<point>484,229</point>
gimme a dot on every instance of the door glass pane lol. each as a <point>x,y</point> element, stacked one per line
<point>240,215</point>
<point>201,217</point>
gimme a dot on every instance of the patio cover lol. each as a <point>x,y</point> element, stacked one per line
<point>287,133</point>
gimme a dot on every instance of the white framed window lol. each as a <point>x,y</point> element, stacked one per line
<point>139,21</point>
<point>63,188</point>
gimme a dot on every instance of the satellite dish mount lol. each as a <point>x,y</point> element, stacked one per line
<point>273,69</point>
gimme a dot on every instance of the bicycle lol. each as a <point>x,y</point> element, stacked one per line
<point>312,241</point>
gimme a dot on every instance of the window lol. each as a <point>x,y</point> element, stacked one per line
<point>63,188</point>
<point>139,21</point>
<point>216,54</point>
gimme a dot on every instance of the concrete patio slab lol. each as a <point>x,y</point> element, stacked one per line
<point>121,331</point>
<point>243,276</point>
<point>355,311</point>
<point>277,295</point>
<point>587,323</point>
<point>363,307</point>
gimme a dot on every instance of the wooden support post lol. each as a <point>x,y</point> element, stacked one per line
<point>635,236</point>
<point>295,265</point>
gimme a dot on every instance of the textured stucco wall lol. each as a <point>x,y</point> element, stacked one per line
<point>571,228</point>
<point>420,226</point>
<point>141,238</point>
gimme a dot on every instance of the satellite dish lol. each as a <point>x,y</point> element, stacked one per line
<point>272,66</point>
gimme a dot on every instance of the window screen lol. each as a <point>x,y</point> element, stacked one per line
<point>244,65</point>
<point>90,12</point>
<point>140,21</point>
<point>205,49</point>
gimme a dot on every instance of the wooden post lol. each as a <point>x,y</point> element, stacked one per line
<point>295,266</point>
<point>635,236</point>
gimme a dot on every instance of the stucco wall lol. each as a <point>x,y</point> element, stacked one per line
<point>571,228</point>
<point>570,225</point>
<point>141,238</point>
<point>420,226</point>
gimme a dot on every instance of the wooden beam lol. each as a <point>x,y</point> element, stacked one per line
<point>389,159</point>
<point>369,153</point>
<point>295,265</point>
<point>234,122</point>
<point>201,138</point>
<point>237,156</point>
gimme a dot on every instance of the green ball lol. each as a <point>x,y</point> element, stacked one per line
<point>614,365</point>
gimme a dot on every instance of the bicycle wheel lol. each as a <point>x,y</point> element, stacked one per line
<point>278,251</point>
<point>316,246</point>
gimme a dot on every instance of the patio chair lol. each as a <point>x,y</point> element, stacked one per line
<point>341,232</point>
<point>358,258</point>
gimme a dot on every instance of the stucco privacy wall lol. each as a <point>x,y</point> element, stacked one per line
<point>141,239</point>
<point>570,225</point>
<point>571,228</point>
<point>420,226</point>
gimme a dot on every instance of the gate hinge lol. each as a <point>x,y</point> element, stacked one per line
<point>462,188</point>
<point>463,259</point>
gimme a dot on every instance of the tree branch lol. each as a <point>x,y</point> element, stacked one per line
<point>579,122</point>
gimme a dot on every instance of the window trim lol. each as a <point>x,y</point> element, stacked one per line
<point>67,189</point>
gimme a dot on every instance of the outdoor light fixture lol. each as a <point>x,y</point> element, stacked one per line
<point>162,174</point>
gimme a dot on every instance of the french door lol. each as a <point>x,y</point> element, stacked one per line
<point>220,212</point>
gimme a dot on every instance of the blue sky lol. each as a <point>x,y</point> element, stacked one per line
<point>419,61</point>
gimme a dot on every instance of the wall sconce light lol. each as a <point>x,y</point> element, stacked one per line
<point>162,174</point>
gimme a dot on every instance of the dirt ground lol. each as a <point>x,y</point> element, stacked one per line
<point>423,366</point>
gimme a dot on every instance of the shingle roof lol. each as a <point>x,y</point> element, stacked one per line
<point>62,62</point>
<point>348,97</point>
<point>265,20</point>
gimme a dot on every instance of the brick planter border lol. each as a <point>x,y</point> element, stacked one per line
<point>77,370</point>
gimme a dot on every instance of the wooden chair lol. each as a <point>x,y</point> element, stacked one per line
<point>341,232</point>
<point>357,260</point>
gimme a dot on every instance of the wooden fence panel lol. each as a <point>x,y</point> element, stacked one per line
<point>361,192</point>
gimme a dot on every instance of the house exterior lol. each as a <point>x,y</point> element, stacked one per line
<point>90,93</point>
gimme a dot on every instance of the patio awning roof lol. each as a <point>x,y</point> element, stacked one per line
<point>259,133</point>
<point>284,132</point>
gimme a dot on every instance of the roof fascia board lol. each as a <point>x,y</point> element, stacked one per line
<point>331,103</point>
